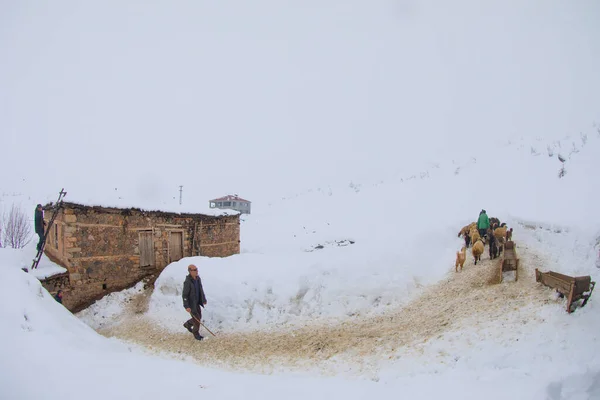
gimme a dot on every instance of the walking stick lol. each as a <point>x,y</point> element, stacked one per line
<point>193,316</point>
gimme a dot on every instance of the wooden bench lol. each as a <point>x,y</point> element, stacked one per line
<point>510,261</point>
<point>574,288</point>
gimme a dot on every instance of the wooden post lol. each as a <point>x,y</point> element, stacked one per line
<point>193,249</point>
<point>570,298</point>
<point>168,247</point>
<point>200,240</point>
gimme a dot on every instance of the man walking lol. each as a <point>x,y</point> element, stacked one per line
<point>193,299</point>
<point>39,225</point>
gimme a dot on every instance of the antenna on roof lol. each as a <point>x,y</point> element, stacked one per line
<point>180,193</point>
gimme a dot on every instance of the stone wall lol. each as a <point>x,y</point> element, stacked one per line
<point>220,237</point>
<point>101,247</point>
<point>57,282</point>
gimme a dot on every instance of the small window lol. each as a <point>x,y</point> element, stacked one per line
<point>227,203</point>
<point>234,204</point>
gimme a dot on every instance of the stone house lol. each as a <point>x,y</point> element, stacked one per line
<point>108,249</point>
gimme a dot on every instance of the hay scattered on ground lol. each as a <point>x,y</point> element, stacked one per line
<point>469,297</point>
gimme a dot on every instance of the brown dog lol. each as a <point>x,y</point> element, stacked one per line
<point>461,256</point>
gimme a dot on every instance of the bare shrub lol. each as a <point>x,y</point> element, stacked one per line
<point>562,172</point>
<point>16,228</point>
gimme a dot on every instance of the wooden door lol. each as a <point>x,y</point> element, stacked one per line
<point>175,246</point>
<point>146,249</point>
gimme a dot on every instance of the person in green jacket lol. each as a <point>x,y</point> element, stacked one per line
<point>483,223</point>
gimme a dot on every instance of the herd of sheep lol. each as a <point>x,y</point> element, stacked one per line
<point>495,237</point>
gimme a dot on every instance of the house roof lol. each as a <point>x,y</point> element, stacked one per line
<point>121,207</point>
<point>230,197</point>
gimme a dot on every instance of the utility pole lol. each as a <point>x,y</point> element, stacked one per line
<point>180,193</point>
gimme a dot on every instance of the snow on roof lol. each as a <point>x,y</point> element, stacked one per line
<point>231,197</point>
<point>46,270</point>
<point>148,205</point>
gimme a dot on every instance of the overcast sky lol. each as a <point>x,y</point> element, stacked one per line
<point>267,96</point>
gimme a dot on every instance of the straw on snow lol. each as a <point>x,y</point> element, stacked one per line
<point>468,298</point>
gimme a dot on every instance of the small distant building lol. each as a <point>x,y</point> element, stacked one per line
<point>231,202</point>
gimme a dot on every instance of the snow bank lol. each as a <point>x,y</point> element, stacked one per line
<point>258,290</point>
<point>23,258</point>
<point>109,309</point>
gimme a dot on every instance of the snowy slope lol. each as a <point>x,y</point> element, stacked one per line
<point>396,256</point>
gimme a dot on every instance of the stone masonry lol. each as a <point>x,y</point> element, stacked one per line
<point>110,249</point>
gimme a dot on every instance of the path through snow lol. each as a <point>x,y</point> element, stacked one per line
<point>470,298</point>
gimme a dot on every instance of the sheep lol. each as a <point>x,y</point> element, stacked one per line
<point>494,222</point>
<point>500,233</point>
<point>467,228</point>
<point>461,256</point>
<point>467,239</point>
<point>493,244</point>
<point>474,235</point>
<point>477,250</point>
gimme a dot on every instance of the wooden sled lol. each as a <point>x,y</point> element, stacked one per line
<point>510,261</point>
<point>574,288</point>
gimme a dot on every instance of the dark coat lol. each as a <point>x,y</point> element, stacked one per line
<point>190,300</point>
<point>39,222</point>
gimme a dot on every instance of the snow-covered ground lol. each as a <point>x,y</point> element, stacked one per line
<point>366,137</point>
<point>374,260</point>
<point>537,352</point>
<point>109,309</point>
